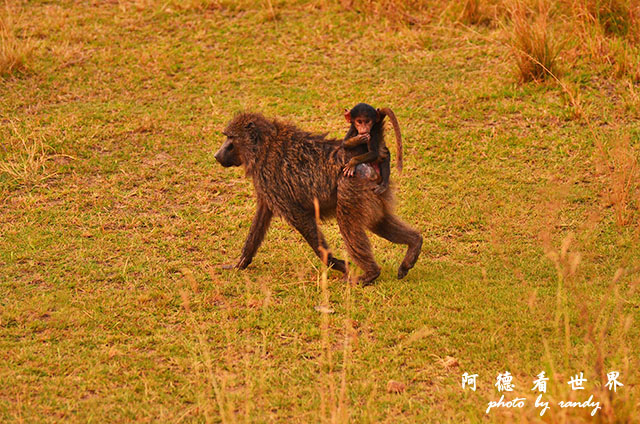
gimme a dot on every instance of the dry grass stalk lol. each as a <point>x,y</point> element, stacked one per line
<point>604,326</point>
<point>534,48</point>
<point>478,12</point>
<point>396,12</point>
<point>197,4</point>
<point>626,60</point>
<point>27,165</point>
<point>14,52</point>
<point>201,355</point>
<point>619,164</point>
<point>614,17</point>
<point>271,13</point>
<point>333,403</point>
<point>616,50</point>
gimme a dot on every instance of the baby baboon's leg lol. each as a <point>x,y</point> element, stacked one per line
<point>385,174</point>
<point>396,231</point>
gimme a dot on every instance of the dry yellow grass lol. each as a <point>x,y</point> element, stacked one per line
<point>115,308</point>
<point>609,30</point>
<point>14,51</point>
<point>618,163</point>
<point>604,333</point>
<point>534,47</point>
<point>27,163</point>
<point>614,17</point>
<point>480,12</point>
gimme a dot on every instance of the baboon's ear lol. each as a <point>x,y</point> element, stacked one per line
<point>379,115</point>
<point>347,115</point>
<point>253,130</point>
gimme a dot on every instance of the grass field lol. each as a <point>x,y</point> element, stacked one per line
<point>115,218</point>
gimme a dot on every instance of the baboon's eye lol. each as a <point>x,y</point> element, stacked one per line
<point>230,146</point>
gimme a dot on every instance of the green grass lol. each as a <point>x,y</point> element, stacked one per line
<point>115,219</point>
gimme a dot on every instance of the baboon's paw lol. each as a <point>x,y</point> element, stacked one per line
<point>368,278</point>
<point>402,272</point>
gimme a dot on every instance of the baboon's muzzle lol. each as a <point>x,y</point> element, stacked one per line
<point>227,155</point>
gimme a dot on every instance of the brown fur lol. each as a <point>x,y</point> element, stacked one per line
<point>289,168</point>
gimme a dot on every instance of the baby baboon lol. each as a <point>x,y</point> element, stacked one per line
<point>289,168</point>
<point>364,142</point>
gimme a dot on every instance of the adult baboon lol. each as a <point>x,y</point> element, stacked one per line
<point>289,168</point>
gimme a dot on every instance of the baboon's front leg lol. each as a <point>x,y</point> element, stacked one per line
<point>258,229</point>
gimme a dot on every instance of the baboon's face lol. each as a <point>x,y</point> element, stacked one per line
<point>229,153</point>
<point>363,124</point>
<point>362,117</point>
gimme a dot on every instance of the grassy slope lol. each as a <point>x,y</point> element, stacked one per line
<point>98,261</point>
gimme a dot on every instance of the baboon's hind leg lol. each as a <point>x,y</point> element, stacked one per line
<point>359,249</point>
<point>396,231</point>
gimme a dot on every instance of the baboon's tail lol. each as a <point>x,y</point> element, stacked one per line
<point>396,128</point>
